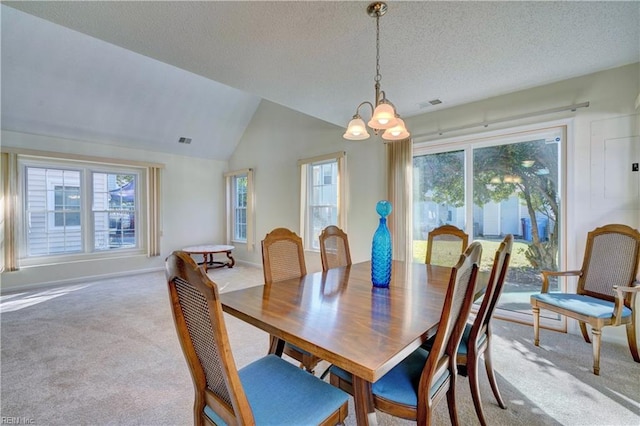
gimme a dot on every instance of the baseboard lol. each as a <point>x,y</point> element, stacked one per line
<point>59,283</point>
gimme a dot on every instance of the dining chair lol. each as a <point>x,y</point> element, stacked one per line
<point>445,244</point>
<point>476,338</point>
<point>413,388</point>
<point>269,390</point>
<point>606,288</point>
<point>283,259</point>
<point>334,248</point>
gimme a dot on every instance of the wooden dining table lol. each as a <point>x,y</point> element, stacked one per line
<point>340,317</point>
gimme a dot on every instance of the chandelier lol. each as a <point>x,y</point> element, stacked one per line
<point>383,114</point>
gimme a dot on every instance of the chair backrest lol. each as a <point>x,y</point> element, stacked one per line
<point>455,312</point>
<point>199,321</point>
<point>334,248</point>
<point>494,288</point>
<point>610,259</point>
<point>445,244</point>
<point>282,256</point>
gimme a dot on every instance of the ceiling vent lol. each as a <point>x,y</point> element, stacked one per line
<point>429,103</point>
<point>184,140</point>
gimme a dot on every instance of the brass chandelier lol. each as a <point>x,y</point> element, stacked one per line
<point>383,115</point>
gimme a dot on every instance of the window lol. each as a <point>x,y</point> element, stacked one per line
<point>114,210</point>
<point>322,191</point>
<point>67,205</point>
<point>239,209</point>
<point>72,208</point>
<point>53,222</point>
<point>490,187</point>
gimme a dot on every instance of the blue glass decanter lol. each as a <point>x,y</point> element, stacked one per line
<point>381,248</point>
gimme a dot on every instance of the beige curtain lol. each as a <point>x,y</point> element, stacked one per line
<point>399,191</point>
<point>8,244</point>
<point>153,216</point>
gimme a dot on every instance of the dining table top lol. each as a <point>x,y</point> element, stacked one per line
<point>340,317</point>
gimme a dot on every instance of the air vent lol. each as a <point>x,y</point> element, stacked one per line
<point>184,140</point>
<point>429,103</point>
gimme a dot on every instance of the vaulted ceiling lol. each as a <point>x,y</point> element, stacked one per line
<point>144,74</point>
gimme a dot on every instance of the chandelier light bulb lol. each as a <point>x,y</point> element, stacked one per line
<point>397,132</point>
<point>356,130</point>
<point>384,117</point>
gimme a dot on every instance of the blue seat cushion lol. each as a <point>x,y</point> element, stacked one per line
<point>581,304</point>
<point>280,393</point>
<point>463,347</point>
<point>400,384</point>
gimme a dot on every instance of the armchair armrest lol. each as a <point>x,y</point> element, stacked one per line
<point>547,274</point>
<point>620,299</point>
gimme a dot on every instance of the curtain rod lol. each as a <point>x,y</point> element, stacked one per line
<point>500,120</point>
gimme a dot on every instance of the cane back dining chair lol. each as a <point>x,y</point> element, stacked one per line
<point>223,394</point>
<point>445,244</point>
<point>413,388</point>
<point>283,259</point>
<point>606,288</point>
<point>476,338</point>
<point>334,248</point>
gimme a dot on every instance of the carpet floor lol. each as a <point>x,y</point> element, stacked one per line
<point>106,353</point>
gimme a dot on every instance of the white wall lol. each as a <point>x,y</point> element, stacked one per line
<point>273,143</point>
<point>192,210</point>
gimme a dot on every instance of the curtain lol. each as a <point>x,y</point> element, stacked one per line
<point>399,157</point>
<point>8,214</point>
<point>153,215</point>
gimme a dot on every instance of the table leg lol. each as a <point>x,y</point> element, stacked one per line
<point>231,261</point>
<point>276,345</point>
<point>363,401</point>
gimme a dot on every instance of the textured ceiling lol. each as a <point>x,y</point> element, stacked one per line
<point>319,57</point>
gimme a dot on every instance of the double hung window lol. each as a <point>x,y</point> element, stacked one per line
<point>322,195</point>
<point>77,208</point>
<point>239,207</point>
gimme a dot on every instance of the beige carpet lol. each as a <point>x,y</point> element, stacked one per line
<point>106,353</point>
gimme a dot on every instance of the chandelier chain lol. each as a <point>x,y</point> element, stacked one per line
<point>378,75</point>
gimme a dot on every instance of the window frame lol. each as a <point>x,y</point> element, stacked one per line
<point>468,143</point>
<point>231,179</point>
<point>87,222</point>
<point>310,241</point>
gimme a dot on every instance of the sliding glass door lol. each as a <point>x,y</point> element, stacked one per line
<point>492,187</point>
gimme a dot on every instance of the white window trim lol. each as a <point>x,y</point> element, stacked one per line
<point>88,251</point>
<point>468,142</point>
<point>341,158</point>
<point>229,176</point>
<point>13,184</point>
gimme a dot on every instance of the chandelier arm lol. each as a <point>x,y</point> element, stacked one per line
<point>361,104</point>
<point>384,99</point>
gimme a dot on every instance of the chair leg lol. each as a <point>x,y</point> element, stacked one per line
<point>631,338</point>
<point>536,325</point>
<point>451,401</point>
<point>488,364</point>
<point>597,335</point>
<point>583,329</point>
<point>474,385</point>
